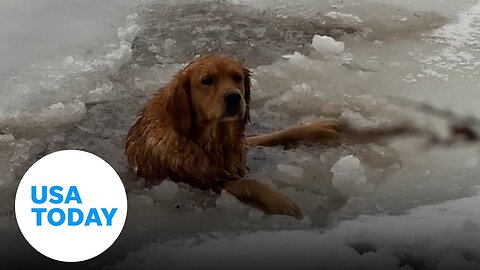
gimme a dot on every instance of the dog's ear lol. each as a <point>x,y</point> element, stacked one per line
<point>247,86</point>
<point>179,105</point>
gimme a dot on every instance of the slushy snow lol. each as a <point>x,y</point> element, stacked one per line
<point>443,237</point>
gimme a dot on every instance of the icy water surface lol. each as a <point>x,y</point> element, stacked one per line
<point>88,98</point>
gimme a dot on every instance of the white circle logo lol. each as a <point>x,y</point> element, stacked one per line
<point>71,206</point>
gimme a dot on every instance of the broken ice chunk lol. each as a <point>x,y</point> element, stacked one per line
<point>348,168</point>
<point>57,114</point>
<point>327,45</point>
<point>165,191</point>
<point>296,58</point>
<point>226,201</point>
<point>346,19</point>
<point>301,99</point>
<point>7,138</point>
<point>291,170</point>
<point>349,177</point>
<point>169,45</point>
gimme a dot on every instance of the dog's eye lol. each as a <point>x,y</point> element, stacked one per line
<point>237,78</point>
<point>207,80</point>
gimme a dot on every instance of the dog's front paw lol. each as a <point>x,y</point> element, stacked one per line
<point>277,204</point>
<point>332,125</point>
<point>329,129</point>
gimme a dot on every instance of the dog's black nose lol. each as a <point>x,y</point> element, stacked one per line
<point>232,98</point>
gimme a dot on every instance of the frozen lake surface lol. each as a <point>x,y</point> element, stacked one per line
<point>75,73</point>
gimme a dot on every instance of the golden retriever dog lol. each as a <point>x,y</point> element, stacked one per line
<point>193,131</point>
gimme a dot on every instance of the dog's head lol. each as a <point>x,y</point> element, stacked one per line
<point>210,88</point>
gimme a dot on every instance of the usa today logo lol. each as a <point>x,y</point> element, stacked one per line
<point>71,206</point>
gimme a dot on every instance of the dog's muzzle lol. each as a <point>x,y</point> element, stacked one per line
<point>232,101</point>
